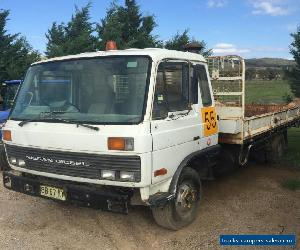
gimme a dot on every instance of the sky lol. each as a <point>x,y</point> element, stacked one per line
<point>250,28</point>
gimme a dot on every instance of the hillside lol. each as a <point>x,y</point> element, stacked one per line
<point>268,63</point>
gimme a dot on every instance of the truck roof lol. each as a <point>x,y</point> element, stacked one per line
<point>155,53</point>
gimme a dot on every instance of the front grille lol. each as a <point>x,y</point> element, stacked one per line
<point>74,164</point>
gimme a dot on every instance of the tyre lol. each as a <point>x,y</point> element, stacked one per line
<point>3,161</point>
<point>276,149</point>
<point>183,209</point>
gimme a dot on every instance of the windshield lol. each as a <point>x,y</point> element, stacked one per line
<point>101,90</point>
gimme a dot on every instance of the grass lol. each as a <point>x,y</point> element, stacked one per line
<point>267,91</point>
<point>291,184</point>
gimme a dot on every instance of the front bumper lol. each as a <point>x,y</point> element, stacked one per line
<point>94,196</point>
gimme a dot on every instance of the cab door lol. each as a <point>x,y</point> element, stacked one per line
<point>184,118</point>
<point>206,106</point>
<point>176,125</point>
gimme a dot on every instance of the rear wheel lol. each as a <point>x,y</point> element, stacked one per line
<point>276,149</point>
<point>182,210</point>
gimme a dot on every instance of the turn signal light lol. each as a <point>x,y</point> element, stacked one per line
<point>120,143</point>
<point>115,143</point>
<point>159,172</point>
<point>6,135</point>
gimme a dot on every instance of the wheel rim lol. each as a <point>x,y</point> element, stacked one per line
<point>186,199</point>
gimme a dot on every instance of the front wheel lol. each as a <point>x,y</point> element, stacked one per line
<point>183,209</point>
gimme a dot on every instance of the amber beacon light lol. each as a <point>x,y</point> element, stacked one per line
<point>111,45</point>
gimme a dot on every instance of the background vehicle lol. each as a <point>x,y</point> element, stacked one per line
<point>8,91</point>
<point>136,127</point>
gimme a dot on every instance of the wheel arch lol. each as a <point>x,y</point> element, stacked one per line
<point>201,161</point>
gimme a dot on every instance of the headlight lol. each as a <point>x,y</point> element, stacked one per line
<point>108,174</point>
<point>17,162</point>
<point>126,176</point>
<point>13,160</point>
<point>21,163</point>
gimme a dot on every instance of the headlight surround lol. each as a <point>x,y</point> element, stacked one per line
<point>16,162</point>
<point>123,176</point>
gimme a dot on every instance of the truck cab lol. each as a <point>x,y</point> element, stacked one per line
<point>115,128</point>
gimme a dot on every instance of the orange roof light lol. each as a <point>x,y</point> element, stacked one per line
<point>6,135</point>
<point>111,45</point>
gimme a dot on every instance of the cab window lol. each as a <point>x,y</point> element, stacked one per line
<point>172,89</point>
<point>200,74</point>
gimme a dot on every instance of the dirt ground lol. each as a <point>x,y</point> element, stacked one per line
<point>248,201</point>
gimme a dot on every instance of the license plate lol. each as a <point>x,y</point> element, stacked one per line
<point>53,192</point>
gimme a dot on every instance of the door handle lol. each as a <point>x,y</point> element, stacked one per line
<point>196,138</point>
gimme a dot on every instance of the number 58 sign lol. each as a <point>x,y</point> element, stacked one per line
<point>209,118</point>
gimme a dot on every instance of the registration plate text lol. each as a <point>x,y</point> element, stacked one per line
<point>53,192</point>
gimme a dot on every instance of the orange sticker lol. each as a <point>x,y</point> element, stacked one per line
<point>209,118</point>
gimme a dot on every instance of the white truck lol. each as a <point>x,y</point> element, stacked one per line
<point>115,128</point>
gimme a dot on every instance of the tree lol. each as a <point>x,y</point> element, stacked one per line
<point>16,53</point>
<point>128,27</point>
<point>124,24</point>
<point>250,74</point>
<point>79,32</point>
<point>20,59</point>
<point>272,73</point>
<point>178,41</point>
<point>294,74</point>
<point>56,40</point>
<point>74,37</point>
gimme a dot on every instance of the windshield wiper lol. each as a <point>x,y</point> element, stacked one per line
<point>73,122</point>
<point>41,117</point>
